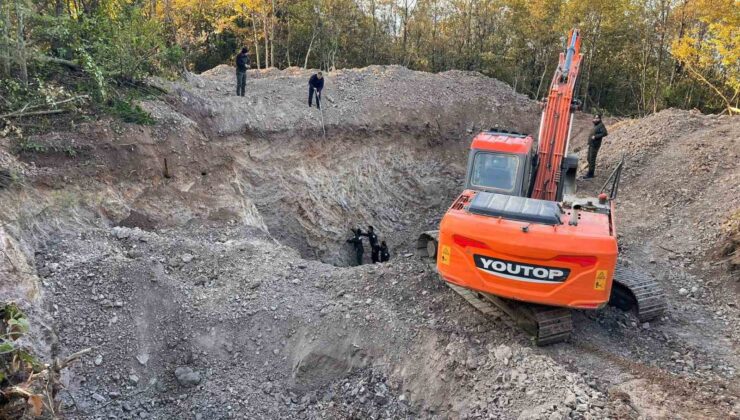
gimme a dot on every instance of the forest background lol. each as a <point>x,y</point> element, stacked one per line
<point>640,55</point>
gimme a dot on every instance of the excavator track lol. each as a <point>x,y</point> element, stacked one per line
<point>635,289</point>
<point>546,324</point>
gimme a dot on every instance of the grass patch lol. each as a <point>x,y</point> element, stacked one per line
<point>129,112</point>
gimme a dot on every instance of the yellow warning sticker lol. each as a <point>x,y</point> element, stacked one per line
<point>600,283</point>
<point>446,254</point>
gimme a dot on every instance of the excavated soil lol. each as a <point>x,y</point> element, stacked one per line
<point>204,259</point>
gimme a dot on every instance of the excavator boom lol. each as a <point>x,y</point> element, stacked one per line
<point>557,119</point>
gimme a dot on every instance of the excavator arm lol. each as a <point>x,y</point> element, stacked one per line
<point>557,119</point>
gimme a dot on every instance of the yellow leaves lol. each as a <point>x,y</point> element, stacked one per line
<point>711,49</point>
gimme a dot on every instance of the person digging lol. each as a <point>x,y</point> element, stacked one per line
<point>356,241</point>
<point>315,86</point>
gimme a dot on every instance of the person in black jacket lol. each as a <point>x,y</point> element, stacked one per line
<point>242,64</point>
<point>385,255</point>
<point>315,84</point>
<point>356,242</point>
<point>594,143</point>
<point>374,247</point>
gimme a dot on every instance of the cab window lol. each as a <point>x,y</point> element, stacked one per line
<point>495,170</point>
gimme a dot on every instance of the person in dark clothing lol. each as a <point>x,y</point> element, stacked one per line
<point>594,143</point>
<point>315,84</point>
<point>385,255</point>
<point>356,242</point>
<point>374,247</point>
<point>242,64</point>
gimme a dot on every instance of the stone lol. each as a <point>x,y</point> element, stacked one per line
<point>133,379</point>
<point>570,399</point>
<point>186,376</point>
<point>120,233</point>
<point>143,359</point>
<point>186,258</point>
<point>99,398</point>
<point>683,292</point>
<point>503,354</point>
<point>98,360</point>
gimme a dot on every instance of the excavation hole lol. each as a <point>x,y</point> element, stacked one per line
<point>311,193</point>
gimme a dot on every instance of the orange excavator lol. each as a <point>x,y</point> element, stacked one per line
<point>519,238</point>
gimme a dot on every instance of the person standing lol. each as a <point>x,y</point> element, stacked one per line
<point>315,85</point>
<point>374,247</point>
<point>356,242</point>
<point>385,255</point>
<point>242,65</point>
<point>594,144</point>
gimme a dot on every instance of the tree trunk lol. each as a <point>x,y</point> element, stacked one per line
<point>372,38</point>
<point>267,41</point>
<point>21,43</point>
<point>256,44</point>
<point>170,29</point>
<point>272,35</point>
<point>589,61</point>
<point>310,45</point>
<point>5,40</point>
<point>434,39</point>
<point>405,27</point>
<point>664,10</point>
<point>681,31</point>
<point>287,42</point>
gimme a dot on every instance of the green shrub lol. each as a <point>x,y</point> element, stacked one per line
<point>129,112</point>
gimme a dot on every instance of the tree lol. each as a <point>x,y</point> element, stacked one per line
<point>21,55</point>
<point>711,50</point>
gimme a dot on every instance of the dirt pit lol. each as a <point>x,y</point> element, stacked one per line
<point>204,261</point>
<point>311,193</point>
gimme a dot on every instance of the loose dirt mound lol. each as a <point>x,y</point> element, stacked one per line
<point>369,99</point>
<point>198,257</point>
<point>681,181</point>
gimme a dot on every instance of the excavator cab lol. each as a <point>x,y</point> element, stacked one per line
<point>500,162</point>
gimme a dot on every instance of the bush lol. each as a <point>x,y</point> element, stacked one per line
<point>104,53</point>
<point>129,112</point>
